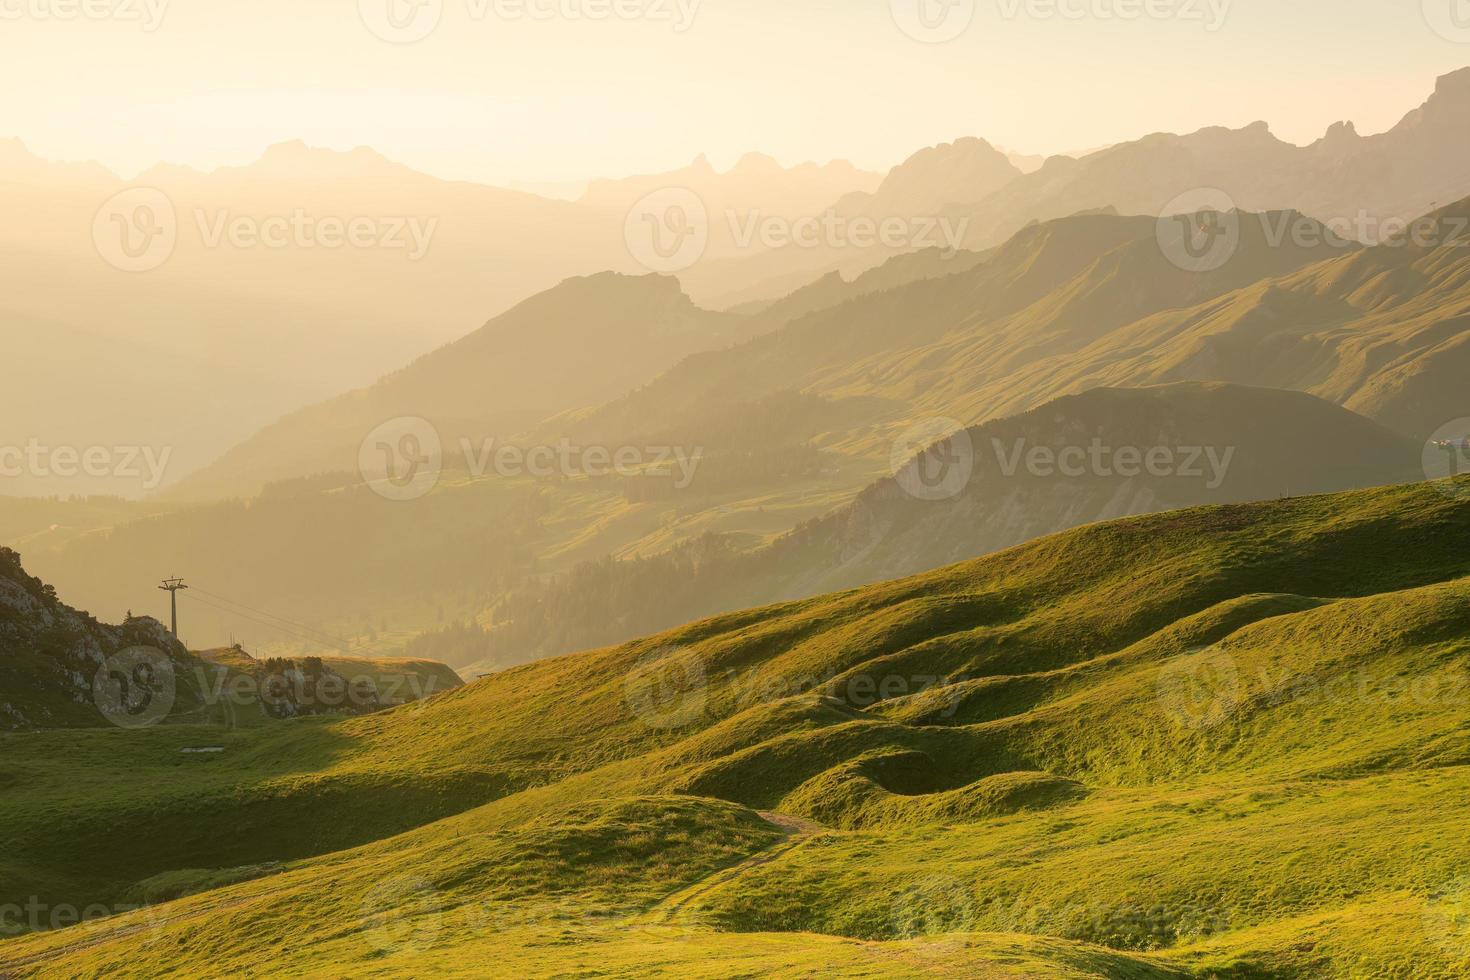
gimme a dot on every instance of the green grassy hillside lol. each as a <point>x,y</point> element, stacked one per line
<point>1380,331</point>
<point>1225,742</point>
<point>1220,444</point>
<point>789,426</point>
<point>894,354</point>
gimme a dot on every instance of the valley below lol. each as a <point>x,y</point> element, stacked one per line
<point>988,564</point>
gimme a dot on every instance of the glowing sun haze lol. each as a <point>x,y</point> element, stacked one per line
<point>494,93</point>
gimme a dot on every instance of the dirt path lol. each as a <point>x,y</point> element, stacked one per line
<point>677,909</point>
<point>156,920</point>
<point>790,824</point>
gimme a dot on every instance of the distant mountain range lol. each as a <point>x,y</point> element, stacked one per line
<point>548,364</point>
<point>1411,169</point>
<point>276,328</point>
<point>262,307</point>
<point>1358,184</point>
<point>1092,301</point>
<point>792,408</point>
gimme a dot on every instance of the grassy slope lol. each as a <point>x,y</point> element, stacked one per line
<point>906,346</point>
<point>1060,799</point>
<point>905,353</point>
<point>1379,331</point>
<point>1280,443</point>
<point>563,896</point>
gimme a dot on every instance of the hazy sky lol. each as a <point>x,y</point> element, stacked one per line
<point>493,93</point>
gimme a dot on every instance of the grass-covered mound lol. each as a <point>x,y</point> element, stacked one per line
<point>1222,742</point>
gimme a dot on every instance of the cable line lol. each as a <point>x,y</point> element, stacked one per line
<point>271,615</point>
<point>333,641</point>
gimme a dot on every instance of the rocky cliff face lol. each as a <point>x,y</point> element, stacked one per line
<point>963,172</point>
<point>51,656</point>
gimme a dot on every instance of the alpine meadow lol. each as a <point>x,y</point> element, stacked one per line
<point>1001,511</point>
